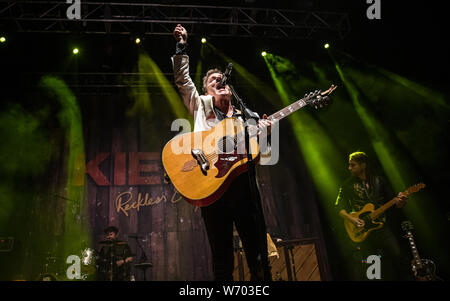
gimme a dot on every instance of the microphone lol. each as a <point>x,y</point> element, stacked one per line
<point>226,75</point>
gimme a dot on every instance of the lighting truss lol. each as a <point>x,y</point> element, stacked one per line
<point>160,19</point>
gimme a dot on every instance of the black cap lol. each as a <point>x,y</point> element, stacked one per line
<point>111,229</point>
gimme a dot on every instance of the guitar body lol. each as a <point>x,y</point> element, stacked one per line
<point>201,165</point>
<point>423,269</point>
<point>424,272</point>
<point>359,234</point>
<point>369,215</point>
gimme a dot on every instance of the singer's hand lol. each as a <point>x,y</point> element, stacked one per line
<point>265,123</point>
<point>180,34</point>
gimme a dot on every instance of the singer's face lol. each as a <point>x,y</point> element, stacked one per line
<point>213,87</point>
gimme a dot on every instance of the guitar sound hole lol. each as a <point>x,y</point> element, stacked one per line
<point>226,145</point>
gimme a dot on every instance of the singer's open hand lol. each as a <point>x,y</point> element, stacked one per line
<point>180,34</point>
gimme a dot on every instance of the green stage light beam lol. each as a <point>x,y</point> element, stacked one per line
<point>428,93</point>
<point>76,223</point>
<point>149,72</point>
<point>320,154</point>
<point>140,94</point>
<point>25,152</point>
<point>318,150</point>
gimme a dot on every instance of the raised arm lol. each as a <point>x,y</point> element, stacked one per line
<point>180,63</point>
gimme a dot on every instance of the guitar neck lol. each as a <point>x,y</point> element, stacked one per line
<point>389,204</point>
<point>382,209</point>
<point>288,110</point>
<point>414,251</point>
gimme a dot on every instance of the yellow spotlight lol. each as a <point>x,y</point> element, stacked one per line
<point>137,40</point>
<point>2,39</point>
<point>75,51</point>
<point>203,40</point>
<point>326,46</point>
<point>263,53</point>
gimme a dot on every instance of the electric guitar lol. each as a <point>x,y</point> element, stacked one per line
<point>202,165</point>
<point>369,215</point>
<point>423,269</point>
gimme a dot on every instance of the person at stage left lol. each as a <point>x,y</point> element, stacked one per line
<point>114,258</point>
<point>237,204</point>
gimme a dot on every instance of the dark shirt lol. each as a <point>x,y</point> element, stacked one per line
<point>108,256</point>
<point>221,115</point>
<point>355,193</point>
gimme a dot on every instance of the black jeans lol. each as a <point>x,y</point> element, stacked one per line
<point>395,264</point>
<point>236,206</point>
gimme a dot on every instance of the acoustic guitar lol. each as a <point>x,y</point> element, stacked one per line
<point>202,165</point>
<point>369,215</point>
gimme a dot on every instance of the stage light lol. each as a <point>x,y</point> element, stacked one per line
<point>75,51</point>
<point>2,39</point>
<point>263,53</point>
<point>137,40</point>
<point>203,40</point>
<point>326,46</point>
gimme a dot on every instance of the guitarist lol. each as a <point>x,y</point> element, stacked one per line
<point>236,204</point>
<point>361,188</point>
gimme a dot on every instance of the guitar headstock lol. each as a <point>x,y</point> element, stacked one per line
<point>415,188</point>
<point>407,226</point>
<point>319,99</point>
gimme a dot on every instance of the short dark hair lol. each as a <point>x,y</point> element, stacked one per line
<point>205,78</point>
<point>359,157</point>
<point>111,229</point>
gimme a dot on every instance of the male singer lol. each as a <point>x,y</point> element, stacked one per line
<point>236,205</point>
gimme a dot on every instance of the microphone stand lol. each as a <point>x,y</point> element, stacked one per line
<point>246,115</point>
<point>143,258</point>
